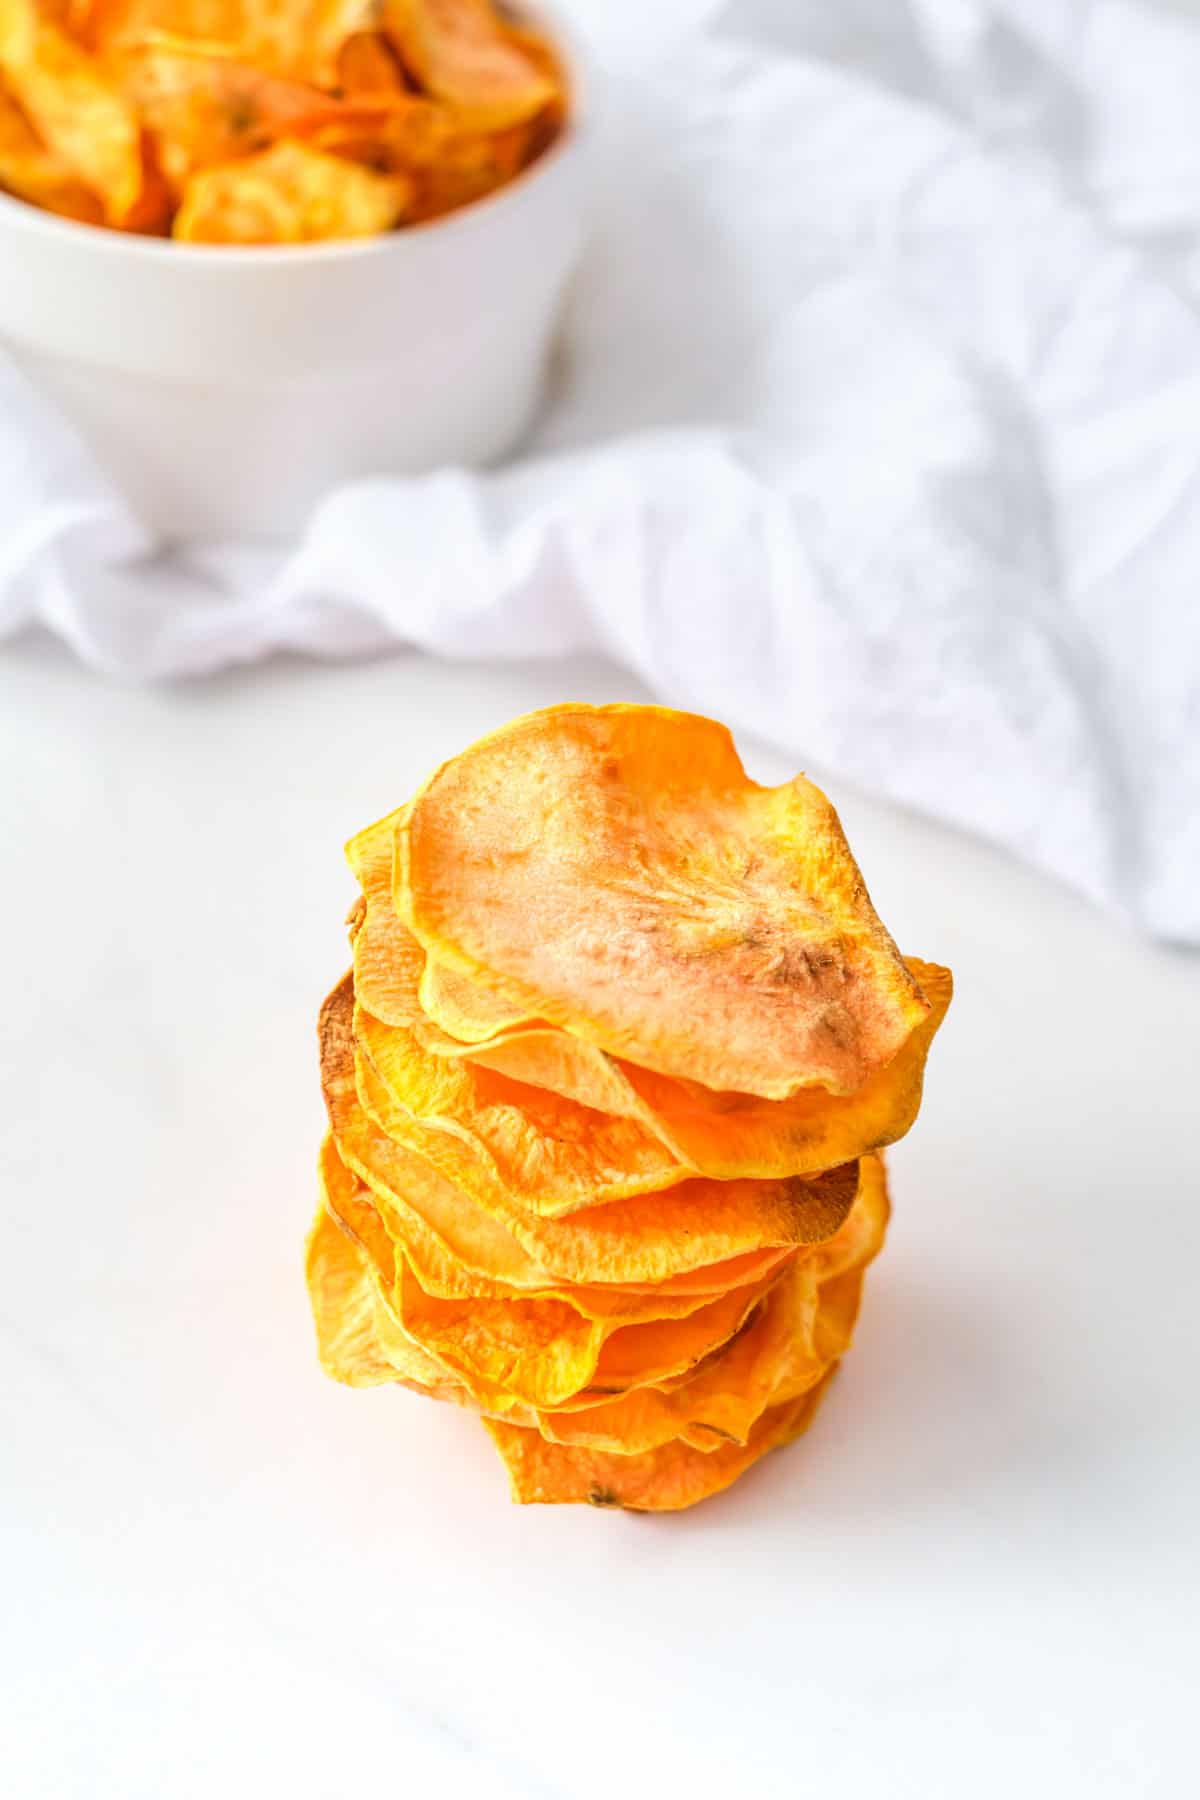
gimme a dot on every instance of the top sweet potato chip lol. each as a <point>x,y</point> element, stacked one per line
<point>614,871</point>
<point>721,1134</point>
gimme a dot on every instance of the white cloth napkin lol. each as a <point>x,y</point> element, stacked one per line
<point>879,436</point>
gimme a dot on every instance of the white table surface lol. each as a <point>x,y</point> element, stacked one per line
<point>226,1576</point>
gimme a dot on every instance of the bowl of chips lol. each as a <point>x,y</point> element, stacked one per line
<point>253,251</point>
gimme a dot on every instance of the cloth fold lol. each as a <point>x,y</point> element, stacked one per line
<point>878,434</point>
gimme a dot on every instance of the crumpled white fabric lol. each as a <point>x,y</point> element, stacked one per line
<point>879,433</point>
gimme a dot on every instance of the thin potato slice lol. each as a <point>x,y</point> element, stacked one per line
<point>76,111</point>
<point>436,1227</point>
<point>718,1402</point>
<point>37,174</point>
<point>663,1480</point>
<point>542,1352</point>
<point>614,871</point>
<point>727,1134</point>
<point>461,52</point>
<point>350,1320</point>
<point>384,1233</point>
<point>301,40</point>
<point>804,1324</point>
<point>365,64</point>
<point>289,194</point>
<point>552,1156</point>
<point>204,108</point>
<point>465,1008</point>
<point>723,1135</point>
<point>640,1240</point>
<point>537,1350</point>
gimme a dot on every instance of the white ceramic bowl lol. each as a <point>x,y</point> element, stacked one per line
<point>226,390</point>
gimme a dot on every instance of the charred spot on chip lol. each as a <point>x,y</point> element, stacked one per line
<point>602,1496</point>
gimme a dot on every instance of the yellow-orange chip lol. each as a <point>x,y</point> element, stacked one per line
<point>35,173</point>
<point>664,1480</point>
<point>614,871</point>
<point>543,1352</point>
<point>385,1229</point>
<point>461,52</point>
<point>355,1341</point>
<point>366,65</point>
<point>205,108</point>
<point>724,1135</point>
<point>551,1156</point>
<point>76,111</point>
<point>803,1325</point>
<point>643,1240</point>
<point>290,194</point>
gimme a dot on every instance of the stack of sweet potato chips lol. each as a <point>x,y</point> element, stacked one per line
<point>607,1090</point>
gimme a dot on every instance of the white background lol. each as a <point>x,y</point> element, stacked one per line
<point>226,1576</point>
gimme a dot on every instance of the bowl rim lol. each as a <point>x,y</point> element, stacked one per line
<point>101,240</point>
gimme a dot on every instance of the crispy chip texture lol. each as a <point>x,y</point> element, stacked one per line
<point>40,175</point>
<point>206,108</point>
<point>354,1341</point>
<point>645,1239</point>
<point>76,111</point>
<point>461,52</point>
<point>608,1087</point>
<point>724,1135</point>
<point>385,1229</point>
<point>290,194</point>
<point>614,871</point>
<point>239,122</point>
<point>550,1155</point>
<point>802,1327</point>
<point>664,1480</point>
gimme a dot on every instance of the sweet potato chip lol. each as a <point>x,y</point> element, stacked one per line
<point>663,1480</point>
<point>387,959</point>
<point>551,1156</point>
<point>614,871</point>
<point>365,64</point>
<point>643,1240</point>
<point>538,1350</point>
<point>37,174</point>
<point>459,1253</point>
<point>290,194</point>
<point>542,1352</point>
<point>351,1320</point>
<point>298,39</point>
<point>726,1134</point>
<point>467,1011</point>
<point>204,108</point>
<point>461,51</point>
<point>723,1135</point>
<point>384,1232</point>
<point>76,111</point>
<point>804,1324</point>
